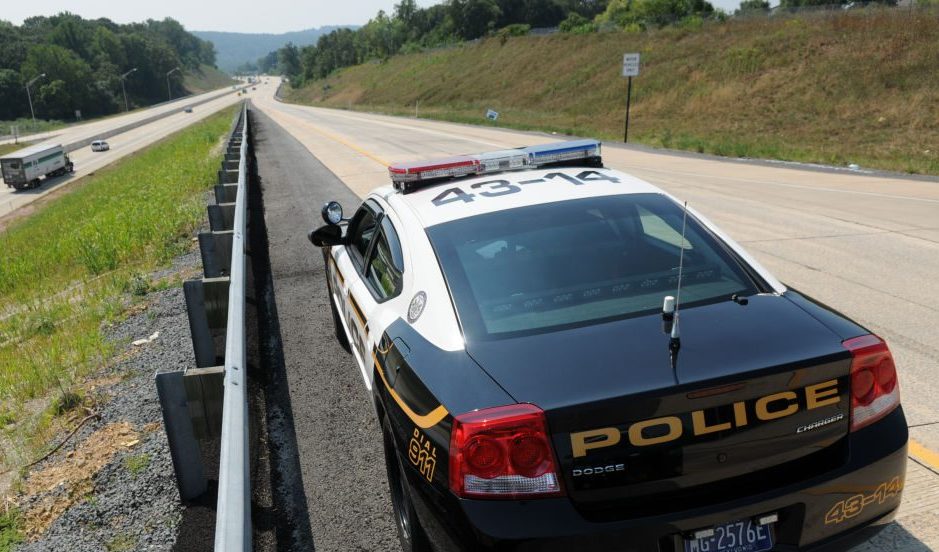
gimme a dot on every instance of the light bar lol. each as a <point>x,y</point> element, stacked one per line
<point>562,151</point>
<point>448,167</point>
<point>406,176</point>
<point>502,160</point>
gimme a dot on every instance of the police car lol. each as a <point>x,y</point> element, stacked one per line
<point>564,357</point>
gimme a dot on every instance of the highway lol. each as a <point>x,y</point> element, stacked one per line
<point>865,244</point>
<point>91,129</point>
<point>87,162</point>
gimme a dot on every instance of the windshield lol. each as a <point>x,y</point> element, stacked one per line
<point>559,265</point>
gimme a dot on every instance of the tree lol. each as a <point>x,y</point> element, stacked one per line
<point>288,60</point>
<point>12,96</point>
<point>752,6</point>
<point>82,60</point>
<point>268,63</point>
<point>653,12</point>
<point>66,86</point>
<point>405,11</point>
<point>474,18</point>
<point>577,24</point>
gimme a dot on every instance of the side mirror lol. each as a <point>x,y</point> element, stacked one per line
<point>323,236</point>
<point>332,213</point>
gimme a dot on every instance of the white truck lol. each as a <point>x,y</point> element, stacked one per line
<point>22,169</point>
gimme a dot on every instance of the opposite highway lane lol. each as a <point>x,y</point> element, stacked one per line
<point>865,245</point>
<point>87,161</point>
<point>91,129</point>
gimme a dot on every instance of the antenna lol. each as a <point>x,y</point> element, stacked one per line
<point>674,341</point>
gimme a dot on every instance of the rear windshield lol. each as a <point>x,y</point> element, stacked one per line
<point>560,265</point>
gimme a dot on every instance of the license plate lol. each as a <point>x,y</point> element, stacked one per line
<point>736,536</point>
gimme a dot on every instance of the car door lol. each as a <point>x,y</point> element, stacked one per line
<point>372,268</point>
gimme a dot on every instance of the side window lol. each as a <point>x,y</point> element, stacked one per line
<point>363,231</point>
<point>386,263</point>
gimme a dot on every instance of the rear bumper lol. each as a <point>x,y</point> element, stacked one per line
<point>809,513</point>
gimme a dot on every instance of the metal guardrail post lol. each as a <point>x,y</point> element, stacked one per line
<point>211,401</point>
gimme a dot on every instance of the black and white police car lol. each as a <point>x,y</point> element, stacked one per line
<point>564,357</point>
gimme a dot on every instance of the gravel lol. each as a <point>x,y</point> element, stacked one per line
<point>134,504</point>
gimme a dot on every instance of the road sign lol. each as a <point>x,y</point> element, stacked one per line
<point>631,65</point>
<point>630,70</point>
<point>492,115</point>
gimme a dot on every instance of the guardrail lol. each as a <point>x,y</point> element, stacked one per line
<point>233,513</point>
<point>205,408</point>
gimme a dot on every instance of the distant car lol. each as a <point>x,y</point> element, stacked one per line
<point>100,145</point>
<point>188,110</point>
<point>254,88</point>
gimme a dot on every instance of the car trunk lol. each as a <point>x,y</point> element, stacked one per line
<point>759,398</point>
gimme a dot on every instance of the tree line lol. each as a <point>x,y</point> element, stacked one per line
<point>83,61</point>
<point>410,28</point>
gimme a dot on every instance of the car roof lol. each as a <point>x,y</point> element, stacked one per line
<point>509,190</point>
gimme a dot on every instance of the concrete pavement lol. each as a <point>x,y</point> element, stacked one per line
<point>866,245</point>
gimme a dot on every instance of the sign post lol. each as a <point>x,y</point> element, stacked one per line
<point>630,70</point>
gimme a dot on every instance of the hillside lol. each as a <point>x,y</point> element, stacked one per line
<point>234,49</point>
<point>81,68</point>
<point>849,87</point>
<point>205,78</point>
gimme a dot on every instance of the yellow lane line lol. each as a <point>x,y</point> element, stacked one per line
<point>924,455</point>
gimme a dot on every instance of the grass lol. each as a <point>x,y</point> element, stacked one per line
<point>28,126</point>
<point>837,88</point>
<point>10,534</point>
<point>121,543</point>
<point>9,148</point>
<point>137,463</point>
<point>72,267</point>
<point>206,78</point>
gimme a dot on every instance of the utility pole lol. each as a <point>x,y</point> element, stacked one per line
<point>169,94</point>
<point>30,98</point>
<point>123,90</point>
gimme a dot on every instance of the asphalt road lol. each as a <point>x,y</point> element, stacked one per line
<point>91,129</point>
<point>330,420</point>
<point>868,245</point>
<point>87,162</point>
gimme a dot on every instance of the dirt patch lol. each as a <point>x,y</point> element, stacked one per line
<point>68,480</point>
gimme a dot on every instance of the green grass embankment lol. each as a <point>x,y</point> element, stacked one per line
<point>69,268</point>
<point>206,78</point>
<point>849,87</point>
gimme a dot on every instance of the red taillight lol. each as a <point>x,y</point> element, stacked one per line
<point>502,452</point>
<point>874,388</point>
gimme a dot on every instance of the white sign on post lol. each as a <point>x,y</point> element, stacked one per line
<point>631,65</point>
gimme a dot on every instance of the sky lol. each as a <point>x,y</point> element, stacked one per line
<point>246,16</point>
